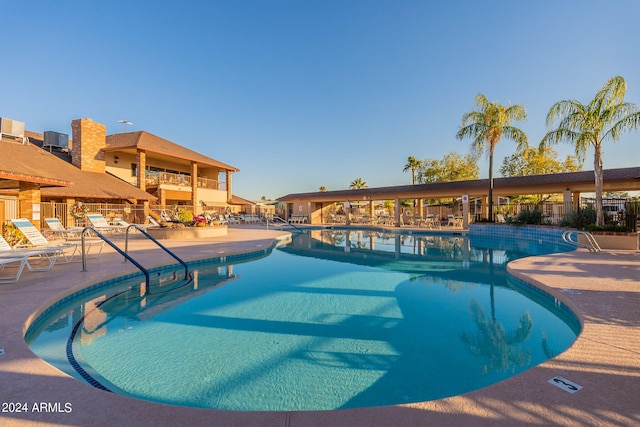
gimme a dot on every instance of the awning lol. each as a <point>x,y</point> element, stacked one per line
<point>214,204</point>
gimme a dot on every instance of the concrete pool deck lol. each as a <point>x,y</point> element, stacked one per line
<point>602,289</point>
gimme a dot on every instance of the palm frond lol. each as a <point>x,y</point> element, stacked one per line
<point>627,122</point>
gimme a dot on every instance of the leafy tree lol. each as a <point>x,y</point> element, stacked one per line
<point>606,117</point>
<point>357,184</point>
<point>452,167</point>
<point>322,189</point>
<point>531,161</point>
<point>487,125</point>
<point>412,165</point>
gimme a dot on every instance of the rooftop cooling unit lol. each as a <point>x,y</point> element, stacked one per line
<point>12,129</point>
<point>55,139</point>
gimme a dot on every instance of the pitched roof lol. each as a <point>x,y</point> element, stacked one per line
<point>151,143</point>
<point>24,162</point>
<point>27,162</point>
<point>237,200</point>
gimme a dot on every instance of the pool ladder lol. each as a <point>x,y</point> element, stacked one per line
<point>126,255</point>
<point>591,245</point>
<point>278,220</point>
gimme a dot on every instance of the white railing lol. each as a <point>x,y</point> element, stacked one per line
<point>591,245</point>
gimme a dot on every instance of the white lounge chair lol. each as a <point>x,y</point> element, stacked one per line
<point>124,224</point>
<point>153,222</point>
<point>59,230</point>
<point>37,240</point>
<point>26,257</point>
<point>21,262</point>
<point>231,219</point>
<point>99,223</point>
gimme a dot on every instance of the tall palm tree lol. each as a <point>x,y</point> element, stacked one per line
<point>412,165</point>
<point>606,117</point>
<point>487,124</point>
<point>357,184</point>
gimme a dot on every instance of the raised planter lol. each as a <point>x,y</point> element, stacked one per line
<point>163,233</point>
<point>615,240</point>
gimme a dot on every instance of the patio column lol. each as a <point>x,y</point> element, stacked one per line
<point>347,211</point>
<point>567,201</point>
<point>194,189</point>
<point>229,193</point>
<point>485,206</point>
<point>465,213</point>
<point>142,170</point>
<point>29,199</point>
<point>396,211</point>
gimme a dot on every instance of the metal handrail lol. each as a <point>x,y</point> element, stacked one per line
<point>592,245</point>
<point>148,236</point>
<point>283,221</point>
<point>114,246</point>
<point>125,253</point>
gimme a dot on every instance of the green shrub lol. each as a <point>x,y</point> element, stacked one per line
<point>609,227</point>
<point>12,234</point>
<point>579,218</point>
<point>185,215</point>
<point>528,217</point>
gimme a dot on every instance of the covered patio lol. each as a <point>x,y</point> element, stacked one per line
<point>319,207</point>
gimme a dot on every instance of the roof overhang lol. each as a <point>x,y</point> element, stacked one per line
<point>624,179</point>
<point>214,204</point>
<point>11,180</point>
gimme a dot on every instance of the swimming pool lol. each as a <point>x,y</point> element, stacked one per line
<point>334,319</point>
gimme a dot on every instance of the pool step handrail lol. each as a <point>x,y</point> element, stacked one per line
<point>117,249</point>
<point>591,245</point>
<point>125,253</point>
<point>153,239</point>
<point>277,219</point>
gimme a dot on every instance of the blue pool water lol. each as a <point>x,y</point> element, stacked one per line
<point>334,319</point>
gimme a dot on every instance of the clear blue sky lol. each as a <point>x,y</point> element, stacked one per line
<point>300,94</point>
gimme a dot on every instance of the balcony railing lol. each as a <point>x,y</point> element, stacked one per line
<point>157,178</point>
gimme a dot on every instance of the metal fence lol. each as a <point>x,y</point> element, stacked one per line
<point>620,211</point>
<point>617,212</point>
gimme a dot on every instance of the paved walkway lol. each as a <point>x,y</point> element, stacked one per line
<point>603,289</point>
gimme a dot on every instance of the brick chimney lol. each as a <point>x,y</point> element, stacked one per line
<point>88,139</point>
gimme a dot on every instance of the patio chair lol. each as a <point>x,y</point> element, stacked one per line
<point>99,222</point>
<point>37,240</point>
<point>6,261</point>
<point>59,230</point>
<point>124,224</point>
<point>10,255</point>
<point>231,219</point>
<point>153,222</point>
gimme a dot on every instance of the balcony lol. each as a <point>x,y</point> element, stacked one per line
<point>155,179</point>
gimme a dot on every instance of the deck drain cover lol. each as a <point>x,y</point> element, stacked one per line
<point>565,384</point>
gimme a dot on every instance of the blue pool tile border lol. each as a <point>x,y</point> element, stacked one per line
<point>551,235</point>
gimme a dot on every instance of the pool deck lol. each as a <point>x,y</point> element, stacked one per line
<point>602,289</point>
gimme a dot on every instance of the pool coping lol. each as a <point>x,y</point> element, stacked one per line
<point>603,291</point>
